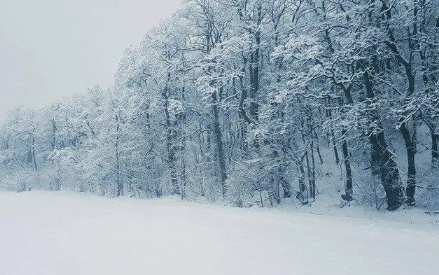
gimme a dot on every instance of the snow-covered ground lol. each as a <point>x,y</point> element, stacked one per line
<point>61,233</point>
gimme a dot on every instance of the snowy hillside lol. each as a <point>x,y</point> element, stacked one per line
<point>47,233</point>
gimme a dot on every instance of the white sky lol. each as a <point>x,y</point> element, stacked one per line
<point>50,49</point>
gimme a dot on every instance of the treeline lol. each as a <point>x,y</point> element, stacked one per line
<point>237,100</point>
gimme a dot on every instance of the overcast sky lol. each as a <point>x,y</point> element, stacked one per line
<point>50,49</point>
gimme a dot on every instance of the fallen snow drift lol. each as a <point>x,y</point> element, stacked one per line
<point>58,233</point>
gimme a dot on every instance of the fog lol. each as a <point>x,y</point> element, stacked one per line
<point>50,49</point>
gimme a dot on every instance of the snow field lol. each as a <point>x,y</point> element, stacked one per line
<point>61,233</point>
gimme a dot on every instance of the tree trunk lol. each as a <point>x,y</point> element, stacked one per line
<point>301,195</point>
<point>311,181</point>
<point>54,130</point>
<point>286,186</point>
<point>171,135</point>
<point>334,147</point>
<point>313,173</point>
<point>410,145</point>
<point>389,172</point>
<point>119,185</point>
<point>348,196</point>
<point>434,148</point>
<point>34,158</point>
<point>254,69</point>
<point>219,144</point>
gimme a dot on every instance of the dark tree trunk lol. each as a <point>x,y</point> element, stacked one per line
<point>410,145</point>
<point>286,186</point>
<point>319,154</point>
<point>302,195</point>
<point>334,147</point>
<point>409,138</point>
<point>348,196</point>
<point>390,176</point>
<point>434,148</point>
<point>311,180</point>
<point>349,191</point>
<point>254,70</point>
<point>313,172</point>
<point>34,158</point>
<point>274,192</point>
<point>219,144</point>
<point>389,172</point>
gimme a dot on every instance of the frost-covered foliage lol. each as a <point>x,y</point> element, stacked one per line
<point>251,101</point>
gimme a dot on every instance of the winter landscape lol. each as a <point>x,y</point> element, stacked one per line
<point>239,137</point>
